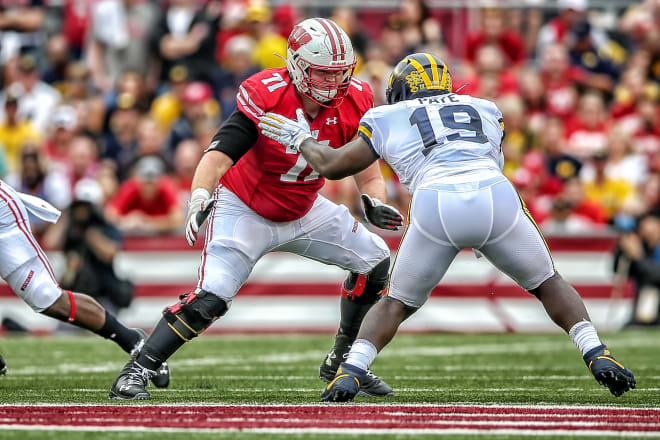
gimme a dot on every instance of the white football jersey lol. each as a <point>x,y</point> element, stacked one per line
<point>445,138</point>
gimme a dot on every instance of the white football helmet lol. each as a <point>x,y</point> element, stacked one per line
<point>319,43</point>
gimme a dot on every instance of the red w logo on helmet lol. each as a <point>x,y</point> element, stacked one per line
<point>298,37</point>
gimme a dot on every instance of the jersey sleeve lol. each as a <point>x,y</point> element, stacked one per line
<point>367,130</point>
<point>251,99</point>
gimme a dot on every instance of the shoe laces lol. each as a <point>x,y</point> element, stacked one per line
<point>137,375</point>
<point>371,375</point>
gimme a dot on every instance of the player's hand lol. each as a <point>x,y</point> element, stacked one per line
<point>199,207</point>
<point>288,132</point>
<point>381,215</point>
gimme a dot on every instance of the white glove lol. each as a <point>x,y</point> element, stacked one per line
<point>199,207</point>
<point>288,132</point>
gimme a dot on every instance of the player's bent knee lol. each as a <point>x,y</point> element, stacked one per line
<point>194,313</point>
<point>548,285</point>
<point>367,289</point>
<point>34,284</point>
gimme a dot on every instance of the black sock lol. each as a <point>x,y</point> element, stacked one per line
<point>158,348</point>
<point>352,314</point>
<point>125,337</point>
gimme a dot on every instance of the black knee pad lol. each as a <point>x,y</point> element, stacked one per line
<point>367,289</point>
<point>194,313</point>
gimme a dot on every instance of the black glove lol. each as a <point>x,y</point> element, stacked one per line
<point>381,215</point>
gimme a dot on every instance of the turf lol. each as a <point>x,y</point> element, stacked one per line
<point>282,369</point>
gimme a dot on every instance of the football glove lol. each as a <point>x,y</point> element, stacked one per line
<point>381,215</point>
<point>288,132</point>
<point>199,207</point>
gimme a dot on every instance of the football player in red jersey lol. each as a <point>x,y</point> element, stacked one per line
<point>262,197</point>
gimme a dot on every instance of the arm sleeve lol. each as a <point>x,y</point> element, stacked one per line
<point>235,137</point>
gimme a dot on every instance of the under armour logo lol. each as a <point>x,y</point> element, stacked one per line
<point>329,121</point>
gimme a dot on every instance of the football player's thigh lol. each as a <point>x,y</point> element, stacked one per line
<point>419,266</point>
<point>236,238</point>
<point>16,240</point>
<point>517,246</point>
<point>332,235</point>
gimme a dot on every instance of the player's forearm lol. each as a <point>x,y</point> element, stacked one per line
<point>321,158</point>
<point>23,20</point>
<point>370,181</point>
<point>212,166</point>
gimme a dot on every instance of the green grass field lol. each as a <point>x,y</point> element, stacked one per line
<point>282,369</point>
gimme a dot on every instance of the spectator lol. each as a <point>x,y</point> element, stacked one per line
<point>186,35</point>
<point>491,78</point>
<point>270,47</point>
<point>557,30</point>
<point>91,244</point>
<point>57,60</point>
<point>573,192</point>
<point>63,128</point>
<point>198,103</point>
<point>561,166</point>
<point>494,31</point>
<point>20,28</point>
<point>646,126</point>
<point>118,41</point>
<point>187,155</point>
<point>166,108</point>
<point>146,203</point>
<point>622,163</point>
<point>237,66</point>
<point>584,54</point>
<point>518,138</point>
<point>416,25</point>
<point>533,95</point>
<point>120,144</point>
<point>14,132</point>
<point>560,81</point>
<point>638,257</point>
<point>38,100</point>
<point>34,178</point>
<point>75,23</point>
<point>84,163</point>
<point>564,220</point>
<point>608,192</point>
<point>586,132</point>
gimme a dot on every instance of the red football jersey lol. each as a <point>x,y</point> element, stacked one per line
<point>275,181</point>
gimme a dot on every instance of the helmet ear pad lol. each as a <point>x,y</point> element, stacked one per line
<point>416,75</point>
<point>320,44</point>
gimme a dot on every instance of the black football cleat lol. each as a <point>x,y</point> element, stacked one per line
<point>131,383</point>
<point>162,377</point>
<point>345,385</point>
<point>3,367</point>
<point>370,386</point>
<point>608,372</point>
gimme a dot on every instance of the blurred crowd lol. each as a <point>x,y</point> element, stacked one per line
<point>111,102</point>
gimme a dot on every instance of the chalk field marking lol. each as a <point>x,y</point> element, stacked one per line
<point>313,355</point>
<point>524,420</point>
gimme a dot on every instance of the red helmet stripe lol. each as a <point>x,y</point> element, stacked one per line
<point>341,40</point>
<point>331,35</point>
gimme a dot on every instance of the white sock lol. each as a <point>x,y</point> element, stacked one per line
<point>584,335</point>
<point>362,354</point>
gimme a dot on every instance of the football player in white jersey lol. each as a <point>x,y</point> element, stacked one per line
<point>446,150</point>
<point>25,267</point>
